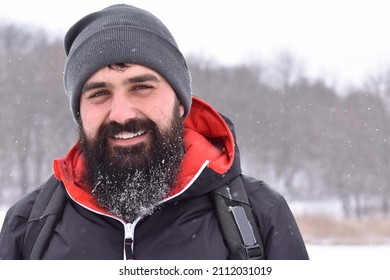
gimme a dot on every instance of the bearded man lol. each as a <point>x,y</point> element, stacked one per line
<point>138,180</point>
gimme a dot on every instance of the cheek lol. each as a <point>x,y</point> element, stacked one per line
<point>91,121</point>
<point>162,115</point>
<point>89,130</point>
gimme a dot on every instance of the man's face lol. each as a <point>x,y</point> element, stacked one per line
<point>133,93</point>
<point>131,136</point>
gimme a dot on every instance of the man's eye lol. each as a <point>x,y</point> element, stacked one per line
<point>97,94</point>
<point>140,87</point>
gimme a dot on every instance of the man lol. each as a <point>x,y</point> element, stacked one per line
<point>138,181</point>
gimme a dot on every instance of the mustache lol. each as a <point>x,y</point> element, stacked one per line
<point>111,129</point>
<point>132,126</point>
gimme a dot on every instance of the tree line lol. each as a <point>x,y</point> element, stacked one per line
<point>297,133</point>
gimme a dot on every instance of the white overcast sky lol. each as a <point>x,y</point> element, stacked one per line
<point>345,40</point>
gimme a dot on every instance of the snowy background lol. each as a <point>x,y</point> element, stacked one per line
<point>342,40</point>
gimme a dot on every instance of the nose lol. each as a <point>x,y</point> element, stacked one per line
<point>122,108</point>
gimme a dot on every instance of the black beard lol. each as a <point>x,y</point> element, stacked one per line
<point>131,182</point>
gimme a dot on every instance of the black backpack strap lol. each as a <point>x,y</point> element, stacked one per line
<point>237,221</point>
<point>44,216</point>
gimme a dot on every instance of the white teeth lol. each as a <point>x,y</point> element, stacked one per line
<point>128,135</point>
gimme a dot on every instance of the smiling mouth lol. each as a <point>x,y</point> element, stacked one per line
<point>128,135</point>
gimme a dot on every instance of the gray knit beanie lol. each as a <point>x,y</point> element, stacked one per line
<point>123,34</point>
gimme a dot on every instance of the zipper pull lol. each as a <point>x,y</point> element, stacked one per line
<point>128,250</point>
<point>129,240</point>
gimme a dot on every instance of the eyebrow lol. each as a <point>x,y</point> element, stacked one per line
<point>92,85</point>
<point>142,78</point>
<point>136,79</point>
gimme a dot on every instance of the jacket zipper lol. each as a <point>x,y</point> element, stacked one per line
<point>128,227</point>
<point>129,239</point>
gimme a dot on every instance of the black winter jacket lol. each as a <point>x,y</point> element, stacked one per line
<point>184,227</point>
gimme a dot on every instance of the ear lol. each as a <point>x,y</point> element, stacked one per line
<point>181,109</point>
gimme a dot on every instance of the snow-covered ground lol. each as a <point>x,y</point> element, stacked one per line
<point>349,252</point>
<point>333,252</point>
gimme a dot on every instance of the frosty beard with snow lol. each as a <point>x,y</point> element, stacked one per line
<point>131,181</point>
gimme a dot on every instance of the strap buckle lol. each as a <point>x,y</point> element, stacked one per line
<point>253,252</point>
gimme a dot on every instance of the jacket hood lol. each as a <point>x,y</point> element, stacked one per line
<point>210,140</point>
<point>211,158</point>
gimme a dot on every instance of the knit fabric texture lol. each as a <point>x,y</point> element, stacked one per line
<point>123,34</point>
